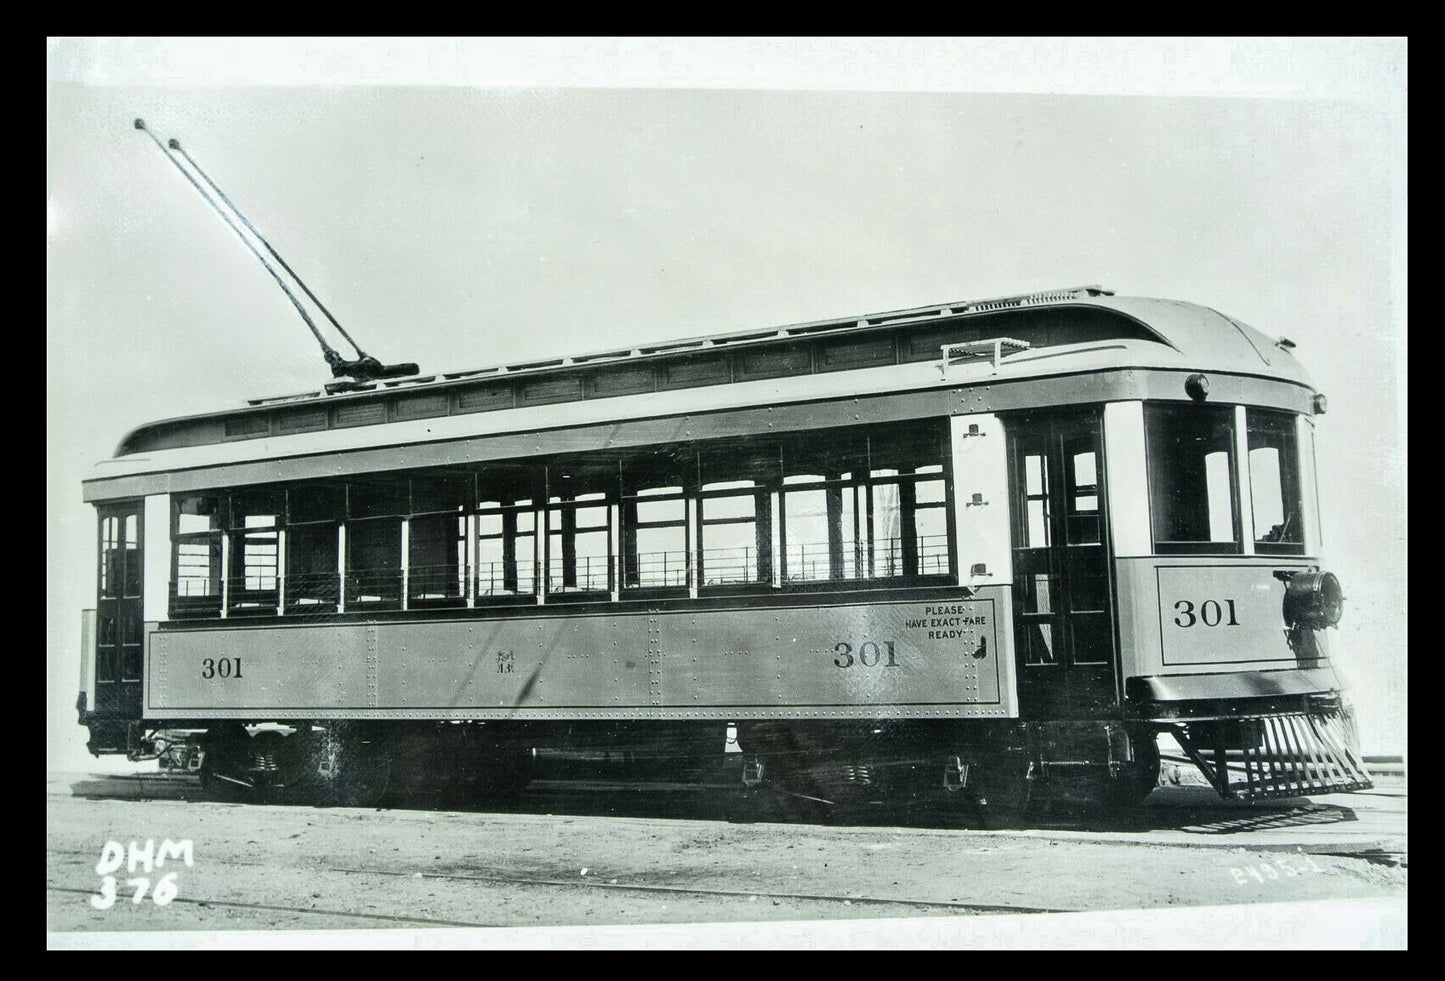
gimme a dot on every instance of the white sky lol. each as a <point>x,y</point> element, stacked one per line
<point>684,187</point>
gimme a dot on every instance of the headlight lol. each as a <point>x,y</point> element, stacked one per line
<point>1313,599</point>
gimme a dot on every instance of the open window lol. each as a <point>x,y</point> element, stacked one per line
<point>508,500</point>
<point>866,505</point>
<point>656,545</point>
<point>437,539</point>
<point>908,510</point>
<point>253,580</point>
<point>196,531</point>
<point>580,502</point>
<point>740,514</point>
<point>375,506</point>
<point>824,506</point>
<point>313,547</point>
<point>735,514</point>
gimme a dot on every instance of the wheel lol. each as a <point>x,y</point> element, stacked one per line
<point>348,769</point>
<point>808,773</point>
<point>278,764</point>
<point>506,778</point>
<point>223,772</point>
<point>370,779</point>
<point>1136,780</point>
<point>221,786</point>
<point>792,795</point>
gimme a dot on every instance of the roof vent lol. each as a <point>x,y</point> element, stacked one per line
<point>994,350</point>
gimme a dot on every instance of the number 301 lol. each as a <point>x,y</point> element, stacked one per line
<point>869,655</point>
<point>1211,613</point>
<point>224,668</point>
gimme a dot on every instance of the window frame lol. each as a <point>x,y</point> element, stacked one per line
<point>1291,477</point>
<point>322,592</point>
<point>665,475</point>
<point>332,527</point>
<point>243,600</point>
<point>1225,413</point>
<point>208,605</point>
<point>456,501</point>
<point>596,487</point>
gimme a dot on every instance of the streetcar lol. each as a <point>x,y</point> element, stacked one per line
<point>990,549</point>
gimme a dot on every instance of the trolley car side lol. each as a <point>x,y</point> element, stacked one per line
<point>1010,540</point>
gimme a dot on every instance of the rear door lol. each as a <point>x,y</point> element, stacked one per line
<point>119,624</point>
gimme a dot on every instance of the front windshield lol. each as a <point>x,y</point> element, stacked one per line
<point>1274,482</point>
<point>1194,479</point>
<point>1191,477</point>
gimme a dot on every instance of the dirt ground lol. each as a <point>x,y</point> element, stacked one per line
<point>565,857</point>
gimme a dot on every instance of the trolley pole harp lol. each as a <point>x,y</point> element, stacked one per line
<point>364,367</point>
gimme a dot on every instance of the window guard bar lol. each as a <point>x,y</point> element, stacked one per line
<point>728,565</point>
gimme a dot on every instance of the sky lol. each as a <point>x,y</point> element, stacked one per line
<point>468,203</point>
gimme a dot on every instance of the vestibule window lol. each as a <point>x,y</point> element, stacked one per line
<point>1192,477</point>
<point>1274,481</point>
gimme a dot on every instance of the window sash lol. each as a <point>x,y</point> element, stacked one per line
<point>437,559</point>
<point>506,560</point>
<point>373,563</point>
<point>1276,494</point>
<point>579,555</point>
<point>1193,478</point>
<point>313,562</point>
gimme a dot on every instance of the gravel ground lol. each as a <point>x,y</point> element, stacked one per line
<point>626,858</point>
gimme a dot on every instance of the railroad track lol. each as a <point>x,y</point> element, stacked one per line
<point>851,903</point>
<point>273,867</point>
<point>742,894</point>
<point>378,918</point>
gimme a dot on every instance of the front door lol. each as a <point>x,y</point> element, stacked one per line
<point>1063,607</point>
<point>119,624</point>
